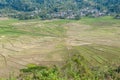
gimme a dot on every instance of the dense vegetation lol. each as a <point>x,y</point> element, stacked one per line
<point>47,9</point>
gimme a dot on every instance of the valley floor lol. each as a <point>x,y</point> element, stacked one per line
<point>47,42</point>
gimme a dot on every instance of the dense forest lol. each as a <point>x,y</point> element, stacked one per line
<point>48,9</point>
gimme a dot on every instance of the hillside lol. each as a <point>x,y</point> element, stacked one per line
<point>25,9</point>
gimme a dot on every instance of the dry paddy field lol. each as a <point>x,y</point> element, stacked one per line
<point>48,42</point>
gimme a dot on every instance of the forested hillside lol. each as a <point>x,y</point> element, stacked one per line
<point>47,9</point>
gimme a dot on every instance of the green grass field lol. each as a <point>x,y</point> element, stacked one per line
<point>34,41</point>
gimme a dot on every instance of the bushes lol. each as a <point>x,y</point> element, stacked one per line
<point>76,68</point>
<point>39,73</point>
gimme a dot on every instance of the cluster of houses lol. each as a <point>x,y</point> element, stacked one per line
<point>82,12</point>
<point>69,14</point>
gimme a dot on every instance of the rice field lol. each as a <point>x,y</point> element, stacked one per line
<point>48,42</point>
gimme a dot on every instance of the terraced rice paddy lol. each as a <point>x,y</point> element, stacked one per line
<point>49,42</point>
<point>98,54</point>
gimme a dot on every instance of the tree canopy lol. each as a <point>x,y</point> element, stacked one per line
<point>59,8</point>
